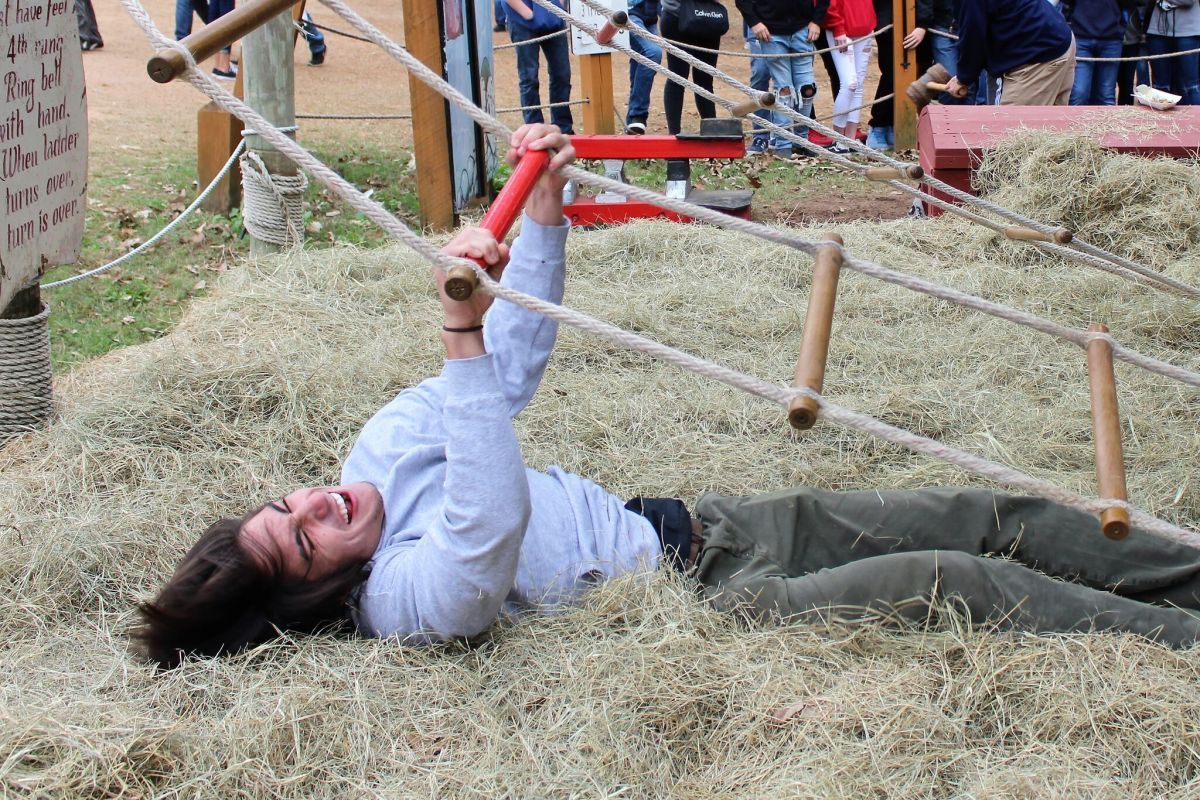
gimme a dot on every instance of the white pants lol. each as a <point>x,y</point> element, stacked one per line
<point>852,72</point>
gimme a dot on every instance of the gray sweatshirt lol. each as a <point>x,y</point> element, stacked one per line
<point>1175,22</point>
<point>468,531</point>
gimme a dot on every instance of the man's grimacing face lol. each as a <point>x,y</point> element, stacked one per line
<point>313,533</point>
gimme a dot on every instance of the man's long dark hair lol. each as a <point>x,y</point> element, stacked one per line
<point>226,595</point>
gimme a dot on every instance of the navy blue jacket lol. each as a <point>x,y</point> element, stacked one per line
<point>1000,35</point>
<point>645,10</point>
<point>1096,19</point>
<point>543,21</point>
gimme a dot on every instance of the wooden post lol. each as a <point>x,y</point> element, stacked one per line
<point>904,72</point>
<point>268,62</point>
<point>595,74</point>
<point>217,135</point>
<point>431,121</point>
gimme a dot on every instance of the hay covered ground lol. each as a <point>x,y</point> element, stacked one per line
<point>642,691</point>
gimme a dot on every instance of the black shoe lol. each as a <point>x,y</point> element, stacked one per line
<point>90,45</point>
<point>226,75</point>
<point>316,59</point>
<point>635,127</point>
<point>499,27</point>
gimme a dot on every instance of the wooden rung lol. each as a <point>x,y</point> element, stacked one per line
<point>1106,430</point>
<point>1061,235</point>
<point>764,100</point>
<point>814,343</point>
<point>168,64</point>
<point>912,172</point>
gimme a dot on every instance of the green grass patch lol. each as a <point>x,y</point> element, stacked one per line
<point>141,299</point>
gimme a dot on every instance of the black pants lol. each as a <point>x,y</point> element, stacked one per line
<point>883,115</point>
<point>999,557</point>
<point>673,92</point>
<point>89,29</point>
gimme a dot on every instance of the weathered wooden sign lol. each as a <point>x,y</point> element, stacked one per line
<point>43,141</point>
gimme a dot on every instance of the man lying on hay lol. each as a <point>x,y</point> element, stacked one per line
<point>439,528</point>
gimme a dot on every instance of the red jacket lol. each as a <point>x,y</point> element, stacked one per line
<point>853,18</point>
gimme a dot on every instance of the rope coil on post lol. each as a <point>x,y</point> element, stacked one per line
<point>25,400</point>
<point>273,205</point>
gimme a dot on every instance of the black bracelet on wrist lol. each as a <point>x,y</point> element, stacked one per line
<point>471,329</point>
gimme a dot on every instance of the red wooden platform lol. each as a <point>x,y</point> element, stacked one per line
<point>951,139</point>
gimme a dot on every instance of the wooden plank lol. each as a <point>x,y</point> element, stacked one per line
<point>904,72</point>
<point>595,73</point>
<point>954,137</point>
<point>217,135</point>
<point>431,134</point>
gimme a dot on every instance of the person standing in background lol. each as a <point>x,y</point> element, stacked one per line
<point>1026,43</point>
<point>849,22</point>
<point>1133,44</point>
<point>1099,32</point>
<point>1173,28</point>
<point>183,16</point>
<point>700,23</point>
<point>224,66</point>
<point>530,21</point>
<point>642,14</point>
<point>787,28</point>
<point>760,81</point>
<point>89,29</point>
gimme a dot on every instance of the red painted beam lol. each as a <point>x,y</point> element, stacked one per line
<point>656,147</point>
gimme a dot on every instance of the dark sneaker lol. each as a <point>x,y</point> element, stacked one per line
<point>499,27</point>
<point>838,147</point>
<point>225,75</point>
<point>757,147</point>
<point>635,129</point>
<point>316,59</point>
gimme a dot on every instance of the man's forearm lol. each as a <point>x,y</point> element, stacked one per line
<point>544,205</point>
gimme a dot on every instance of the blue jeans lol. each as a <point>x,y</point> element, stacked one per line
<point>498,13</point>
<point>558,67</point>
<point>312,34</point>
<point>1096,81</point>
<point>641,77</point>
<point>1181,74</point>
<point>795,85</point>
<point>985,91</point>
<point>760,81</point>
<point>183,16</point>
<point>216,10</point>
<point>945,52</point>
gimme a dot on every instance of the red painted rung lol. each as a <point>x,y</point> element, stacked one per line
<point>503,211</point>
<point>656,147</point>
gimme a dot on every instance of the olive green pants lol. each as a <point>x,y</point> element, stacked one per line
<point>805,551</point>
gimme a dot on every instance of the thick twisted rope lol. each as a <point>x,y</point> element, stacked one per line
<point>328,29</point>
<point>492,125</point>
<point>1077,251</point>
<point>535,40</point>
<point>748,383</point>
<point>948,35</point>
<point>509,110</point>
<point>25,401</point>
<point>272,205</point>
<point>156,238</point>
